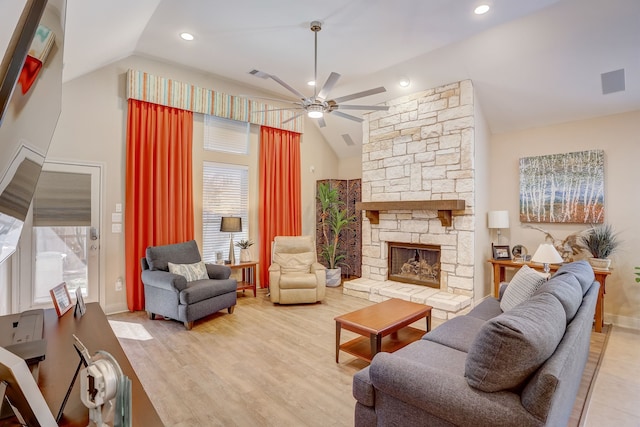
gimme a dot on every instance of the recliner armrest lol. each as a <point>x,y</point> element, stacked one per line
<point>317,266</point>
<point>274,268</point>
<point>164,280</point>
<point>218,271</point>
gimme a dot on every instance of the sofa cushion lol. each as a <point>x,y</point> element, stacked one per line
<point>191,272</point>
<point>524,283</point>
<point>457,333</point>
<point>201,290</point>
<point>511,346</point>
<point>158,257</point>
<point>295,263</point>
<point>567,290</point>
<point>582,270</point>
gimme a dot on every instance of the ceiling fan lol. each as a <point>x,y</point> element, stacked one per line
<point>318,105</point>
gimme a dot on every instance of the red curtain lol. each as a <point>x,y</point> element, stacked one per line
<point>159,190</point>
<point>280,194</point>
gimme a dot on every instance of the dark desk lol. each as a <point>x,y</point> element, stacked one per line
<point>57,370</point>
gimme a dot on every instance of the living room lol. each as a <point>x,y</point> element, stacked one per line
<point>92,128</point>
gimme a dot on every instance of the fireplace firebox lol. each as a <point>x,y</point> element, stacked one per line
<point>414,263</point>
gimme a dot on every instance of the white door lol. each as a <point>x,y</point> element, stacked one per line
<point>64,241</point>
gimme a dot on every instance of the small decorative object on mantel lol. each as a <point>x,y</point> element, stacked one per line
<point>61,298</point>
<point>601,242</point>
<point>245,252</point>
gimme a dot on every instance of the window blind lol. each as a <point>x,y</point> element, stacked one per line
<point>225,193</point>
<point>62,199</point>
<point>228,136</point>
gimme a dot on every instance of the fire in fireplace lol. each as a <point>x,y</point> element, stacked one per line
<point>414,263</point>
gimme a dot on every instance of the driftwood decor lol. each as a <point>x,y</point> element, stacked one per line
<point>565,188</point>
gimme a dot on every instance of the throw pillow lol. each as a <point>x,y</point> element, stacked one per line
<point>524,284</point>
<point>512,346</point>
<point>191,272</point>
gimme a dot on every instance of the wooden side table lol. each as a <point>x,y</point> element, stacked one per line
<point>499,275</point>
<point>248,275</point>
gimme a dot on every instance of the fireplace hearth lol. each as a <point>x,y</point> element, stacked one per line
<point>414,263</point>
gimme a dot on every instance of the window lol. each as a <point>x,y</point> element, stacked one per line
<point>229,136</point>
<point>225,193</point>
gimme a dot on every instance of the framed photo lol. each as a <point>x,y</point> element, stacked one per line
<point>61,298</point>
<point>501,252</point>
<point>80,307</point>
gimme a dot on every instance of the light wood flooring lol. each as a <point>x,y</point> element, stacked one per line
<point>263,365</point>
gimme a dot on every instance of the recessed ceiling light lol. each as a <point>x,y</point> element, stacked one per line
<point>186,36</point>
<point>404,82</point>
<point>311,83</point>
<point>482,9</point>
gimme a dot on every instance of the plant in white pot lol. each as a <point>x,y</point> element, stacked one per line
<point>601,242</point>
<point>245,252</point>
<point>333,219</point>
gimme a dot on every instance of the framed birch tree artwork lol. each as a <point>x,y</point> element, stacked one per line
<point>565,188</point>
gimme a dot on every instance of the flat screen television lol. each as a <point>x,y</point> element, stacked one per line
<point>27,118</point>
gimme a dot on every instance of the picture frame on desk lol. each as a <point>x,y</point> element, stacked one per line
<point>61,298</point>
<point>81,308</point>
<point>501,252</point>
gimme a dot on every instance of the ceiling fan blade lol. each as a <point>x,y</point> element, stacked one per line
<point>292,118</point>
<point>347,116</point>
<point>360,94</point>
<point>321,122</point>
<point>286,101</point>
<point>277,109</point>
<point>289,88</point>
<point>347,139</point>
<point>363,107</point>
<point>328,85</point>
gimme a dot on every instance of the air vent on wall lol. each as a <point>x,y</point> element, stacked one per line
<point>612,81</point>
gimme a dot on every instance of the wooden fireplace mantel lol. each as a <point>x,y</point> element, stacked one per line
<point>445,208</point>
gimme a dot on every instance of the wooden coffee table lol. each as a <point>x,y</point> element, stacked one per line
<point>383,326</point>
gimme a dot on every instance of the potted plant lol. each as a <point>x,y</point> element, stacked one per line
<point>333,219</point>
<point>601,242</point>
<point>245,252</point>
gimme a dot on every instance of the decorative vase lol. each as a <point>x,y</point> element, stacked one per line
<point>600,263</point>
<point>333,276</point>
<point>245,255</point>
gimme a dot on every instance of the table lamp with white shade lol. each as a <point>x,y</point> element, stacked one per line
<point>498,220</point>
<point>547,254</point>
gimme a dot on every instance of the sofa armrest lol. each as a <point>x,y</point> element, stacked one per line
<point>218,271</point>
<point>437,391</point>
<point>164,280</point>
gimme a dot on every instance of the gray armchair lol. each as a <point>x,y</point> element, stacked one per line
<point>171,295</point>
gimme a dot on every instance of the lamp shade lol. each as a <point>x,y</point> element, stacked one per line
<point>231,224</point>
<point>547,254</point>
<point>498,219</point>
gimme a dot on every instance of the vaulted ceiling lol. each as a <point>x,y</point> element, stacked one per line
<point>533,63</point>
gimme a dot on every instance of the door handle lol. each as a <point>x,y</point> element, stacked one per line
<point>93,233</point>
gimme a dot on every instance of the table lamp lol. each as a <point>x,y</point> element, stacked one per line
<point>231,224</point>
<point>546,254</point>
<point>498,220</point>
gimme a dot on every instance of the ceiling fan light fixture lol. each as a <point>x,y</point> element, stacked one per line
<point>186,36</point>
<point>404,81</point>
<point>482,9</point>
<point>311,83</point>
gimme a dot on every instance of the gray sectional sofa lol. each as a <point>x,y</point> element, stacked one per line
<point>492,368</point>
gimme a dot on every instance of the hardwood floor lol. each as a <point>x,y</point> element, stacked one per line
<point>265,364</point>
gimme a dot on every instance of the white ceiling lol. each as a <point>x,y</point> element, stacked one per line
<point>533,63</point>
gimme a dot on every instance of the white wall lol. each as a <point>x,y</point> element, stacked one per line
<point>92,128</point>
<point>617,135</point>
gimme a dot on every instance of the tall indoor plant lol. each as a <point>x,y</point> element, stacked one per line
<point>333,219</point>
<point>601,242</point>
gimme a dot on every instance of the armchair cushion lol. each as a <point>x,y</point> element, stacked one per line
<point>298,281</point>
<point>201,290</point>
<point>191,272</point>
<point>158,257</point>
<point>295,263</point>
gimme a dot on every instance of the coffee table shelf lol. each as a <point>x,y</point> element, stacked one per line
<point>361,346</point>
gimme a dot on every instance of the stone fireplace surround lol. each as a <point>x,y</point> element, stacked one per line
<point>422,149</point>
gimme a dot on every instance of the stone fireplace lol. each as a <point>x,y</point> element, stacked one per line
<point>414,263</point>
<point>418,186</point>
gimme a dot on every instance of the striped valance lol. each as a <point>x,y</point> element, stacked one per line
<point>159,90</point>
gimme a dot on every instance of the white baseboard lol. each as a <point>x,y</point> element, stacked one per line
<point>623,321</point>
<point>116,308</point>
